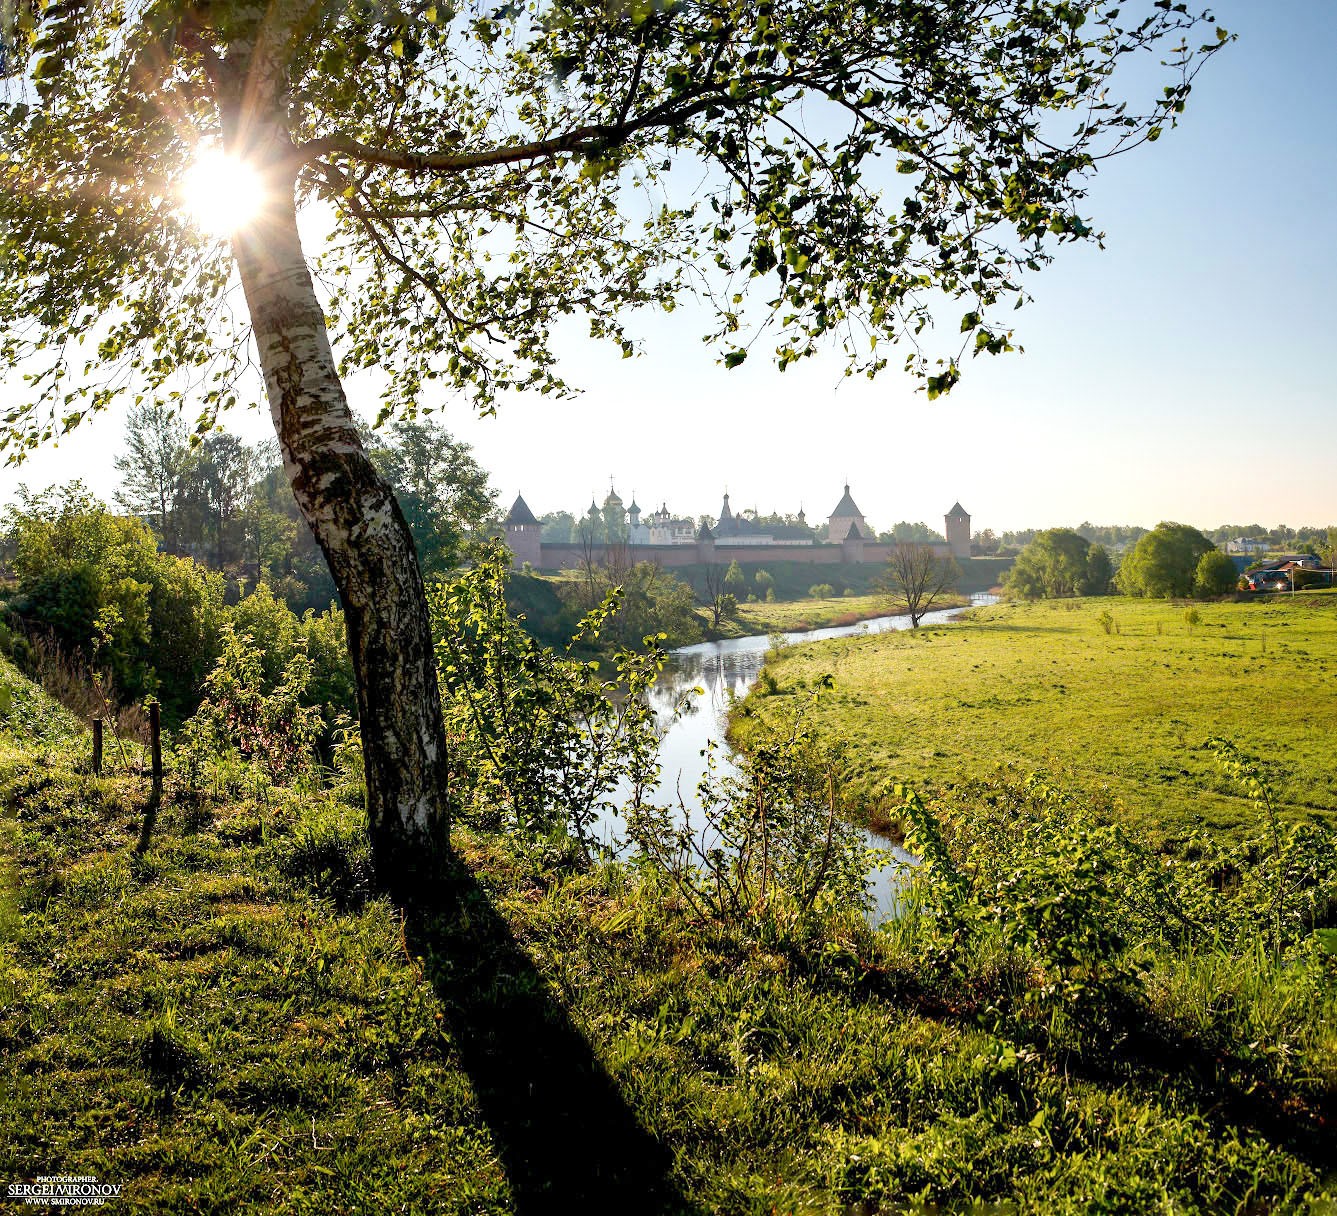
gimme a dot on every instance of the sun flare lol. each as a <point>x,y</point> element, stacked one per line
<point>221,193</point>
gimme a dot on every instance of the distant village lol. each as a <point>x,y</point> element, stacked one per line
<point>562,541</point>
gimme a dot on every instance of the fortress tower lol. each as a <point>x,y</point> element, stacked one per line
<point>957,530</point>
<point>524,534</point>
<point>846,522</point>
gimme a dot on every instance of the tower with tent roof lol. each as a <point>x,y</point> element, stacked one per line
<point>524,533</point>
<point>956,525</point>
<point>846,522</point>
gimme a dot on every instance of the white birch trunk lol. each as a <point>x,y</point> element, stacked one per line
<point>362,532</point>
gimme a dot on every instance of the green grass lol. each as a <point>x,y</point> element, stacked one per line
<point>1122,715</point>
<point>234,1021</point>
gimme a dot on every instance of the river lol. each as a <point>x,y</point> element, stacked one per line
<point>720,672</point>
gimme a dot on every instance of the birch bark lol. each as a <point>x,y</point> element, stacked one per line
<point>359,527</point>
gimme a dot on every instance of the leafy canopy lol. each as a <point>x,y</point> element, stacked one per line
<point>1059,562</point>
<point>1164,562</point>
<point>483,174</point>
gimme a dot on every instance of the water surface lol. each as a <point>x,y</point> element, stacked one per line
<point>705,679</point>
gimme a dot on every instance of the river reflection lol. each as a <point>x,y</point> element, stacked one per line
<point>703,680</point>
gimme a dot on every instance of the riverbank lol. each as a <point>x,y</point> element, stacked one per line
<point>763,618</point>
<point>1114,698</point>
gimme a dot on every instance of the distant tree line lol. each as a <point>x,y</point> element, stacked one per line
<point>1319,540</point>
<point>229,506</point>
<point>1171,559</point>
<point>906,533</point>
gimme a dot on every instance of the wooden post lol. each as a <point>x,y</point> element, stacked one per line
<point>155,742</point>
<point>97,747</point>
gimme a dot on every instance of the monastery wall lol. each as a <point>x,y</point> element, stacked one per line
<point>572,557</point>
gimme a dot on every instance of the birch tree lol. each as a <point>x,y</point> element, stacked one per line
<point>153,469</point>
<point>820,173</point>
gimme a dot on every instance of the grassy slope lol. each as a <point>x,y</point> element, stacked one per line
<point>1044,687</point>
<point>231,1022</point>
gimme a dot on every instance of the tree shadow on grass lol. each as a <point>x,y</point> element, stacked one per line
<point>567,1138</point>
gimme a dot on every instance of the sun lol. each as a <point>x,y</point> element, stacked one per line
<point>220,193</point>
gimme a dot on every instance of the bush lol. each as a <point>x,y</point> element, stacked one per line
<point>273,628</point>
<point>776,838</point>
<point>185,614</point>
<point>245,717</point>
<point>821,591</point>
<point>1164,562</point>
<point>1053,565</point>
<point>278,636</point>
<point>1086,907</point>
<point>543,743</point>
<point>97,585</point>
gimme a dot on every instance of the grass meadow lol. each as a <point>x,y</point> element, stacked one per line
<point>207,1002</point>
<point>1113,697</point>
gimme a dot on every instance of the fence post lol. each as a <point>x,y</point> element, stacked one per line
<point>155,742</point>
<point>97,747</point>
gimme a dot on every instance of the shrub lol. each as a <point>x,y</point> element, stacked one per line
<point>279,635</point>
<point>185,605</point>
<point>821,591</point>
<point>776,838</point>
<point>1164,562</point>
<point>259,722</point>
<point>1086,906</point>
<point>543,742</point>
<point>96,584</point>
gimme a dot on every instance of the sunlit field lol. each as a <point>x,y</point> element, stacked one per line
<point>1120,706</point>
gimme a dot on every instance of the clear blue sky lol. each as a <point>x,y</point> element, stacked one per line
<point>1186,372</point>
